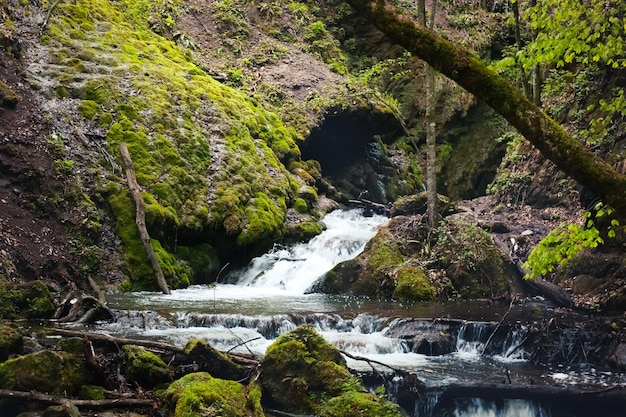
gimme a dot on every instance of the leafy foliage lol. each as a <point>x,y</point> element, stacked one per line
<point>567,240</point>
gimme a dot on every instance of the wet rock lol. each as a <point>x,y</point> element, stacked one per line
<point>617,360</point>
<point>433,344</point>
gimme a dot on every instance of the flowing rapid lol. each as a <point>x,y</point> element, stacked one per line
<point>441,342</point>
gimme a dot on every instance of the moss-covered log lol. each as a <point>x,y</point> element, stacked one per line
<point>470,73</point>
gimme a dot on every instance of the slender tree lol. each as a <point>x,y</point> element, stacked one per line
<point>472,74</point>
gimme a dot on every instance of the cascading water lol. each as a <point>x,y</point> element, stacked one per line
<point>253,306</point>
<point>294,269</point>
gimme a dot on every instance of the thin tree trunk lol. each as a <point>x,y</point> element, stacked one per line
<point>431,136</point>
<point>536,72</point>
<point>140,218</point>
<point>518,42</point>
<point>472,74</point>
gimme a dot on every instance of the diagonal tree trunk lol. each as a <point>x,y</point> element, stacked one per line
<point>469,72</point>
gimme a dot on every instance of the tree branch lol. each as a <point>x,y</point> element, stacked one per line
<point>469,72</point>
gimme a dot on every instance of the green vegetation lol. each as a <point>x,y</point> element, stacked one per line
<point>58,373</point>
<point>8,97</point>
<point>144,367</point>
<point>199,394</point>
<point>32,300</point>
<point>568,240</point>
<point>304,373</point>
<point>174,123</point>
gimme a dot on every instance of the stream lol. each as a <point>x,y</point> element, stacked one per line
<point>249,308</point>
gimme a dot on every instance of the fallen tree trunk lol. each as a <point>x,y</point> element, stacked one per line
<point>88,404</point>
<point>241,359</point>
<point>469,72</point>
<point>614,395</point>
<point>140,218</point>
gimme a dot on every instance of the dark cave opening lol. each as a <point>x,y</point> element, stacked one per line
<point>348,146</point>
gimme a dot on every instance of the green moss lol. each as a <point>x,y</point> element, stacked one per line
<point>215,362</point>
<point>88,109</point>
<point>10,341</point>
<point>471,260</point>
<point>8,97</point>
<point>359,404</point>
<point>412,284</point>
<point>300,368</point>
<point>202,259</point>
<point>92,392</point>
<point>164,123</point>
<point>57,373</point>
<point>32,300</point>
<point>144,367</point>
<point>200,394</point>
<point>304,230</point>
<point>300,205</point>
<point>72,345</point>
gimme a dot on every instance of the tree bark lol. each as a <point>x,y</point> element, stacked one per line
<point>88,404</point>
<point>140,218</point>
<point>431,136</point>
<point>469,72</point>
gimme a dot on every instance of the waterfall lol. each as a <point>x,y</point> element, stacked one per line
<point>294,269</point>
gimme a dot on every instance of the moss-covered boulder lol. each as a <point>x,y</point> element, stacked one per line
<point>359,404</point>
<point>471,260</point>
<point>412,284</point>
<point>370,273</point>
<point>201,395</point>
<point>56,373</point>
<point>30,300</point>
<point>11,341</point>
<point>416,204</point>
<point>300,369</point>
<point>213,361</point>
<point>379,271</point>
<point>144,367</point>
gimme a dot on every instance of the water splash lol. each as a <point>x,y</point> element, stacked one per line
<point>294,269</point>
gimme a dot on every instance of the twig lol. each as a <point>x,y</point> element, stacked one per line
<point>89,404</point>
<point>244,344</point>
<point>371,361</point>
<point>45,22</point>
<point>497,327</point>
<point>217,279</point>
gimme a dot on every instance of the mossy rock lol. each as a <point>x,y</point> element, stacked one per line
<point>144,367</point>
<point>11,341</point>
<point>61,410</point>
<point>201,395</point>
<point>29,300</point>
<point>92,392</point>
<point>412,284</point>
<point>301,368</point>
<point>57,373</point>
<point>8,97</point>
<point>359,404</point>
<point>473,263</point>
<point>213,361</point>
<point>371,273</point>
<point>416,204</point>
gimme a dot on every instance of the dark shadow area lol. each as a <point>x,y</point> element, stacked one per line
<point>349,148</point>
